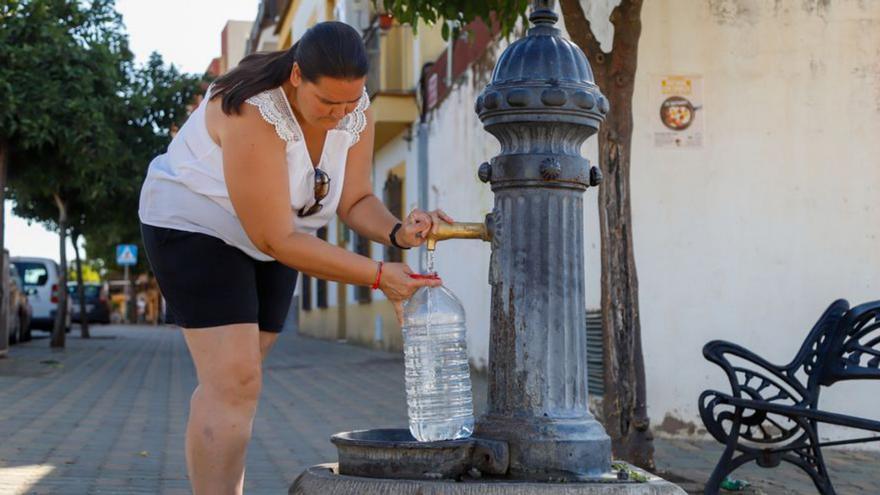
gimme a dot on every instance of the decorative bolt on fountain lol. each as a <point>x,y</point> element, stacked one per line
<point>538,435</point>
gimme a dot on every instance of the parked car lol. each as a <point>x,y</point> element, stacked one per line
<point>41,277</point>
<point>97,302</point>
<point>19,326</point>
<point>18,309</point>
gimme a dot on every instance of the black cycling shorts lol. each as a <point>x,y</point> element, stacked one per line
<point>208,283</point>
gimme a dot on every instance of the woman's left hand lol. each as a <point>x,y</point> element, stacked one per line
<point>418,224</point>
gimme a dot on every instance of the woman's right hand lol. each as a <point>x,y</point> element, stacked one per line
<point>398,286</point>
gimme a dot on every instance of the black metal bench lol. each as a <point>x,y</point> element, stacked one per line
<point>772,413</point>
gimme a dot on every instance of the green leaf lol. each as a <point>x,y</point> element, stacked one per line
<point>80,119</point>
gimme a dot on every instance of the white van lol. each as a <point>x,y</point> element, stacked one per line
<point>40,277</point>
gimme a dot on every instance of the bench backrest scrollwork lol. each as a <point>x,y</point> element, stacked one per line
<point>854,353</point>
<point>809,364</point>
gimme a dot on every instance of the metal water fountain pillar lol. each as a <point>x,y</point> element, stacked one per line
<point>542,105</point>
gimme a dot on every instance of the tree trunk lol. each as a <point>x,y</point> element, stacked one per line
<point>625,408</point>
<point>58,332</point>
<point>4,307</point>
<point>80,289</point>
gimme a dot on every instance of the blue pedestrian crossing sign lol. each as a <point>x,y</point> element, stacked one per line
<point>126,254</point>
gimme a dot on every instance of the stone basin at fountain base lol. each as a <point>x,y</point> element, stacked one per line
<point>392,462</point>
<point>324,479</point>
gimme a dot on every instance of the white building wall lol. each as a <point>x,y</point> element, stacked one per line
<point>307,9</point>
<point>237,33</point>
<point>458,144</point>
<point>748,238</point>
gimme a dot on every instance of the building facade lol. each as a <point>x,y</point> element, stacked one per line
<point>233,43</point>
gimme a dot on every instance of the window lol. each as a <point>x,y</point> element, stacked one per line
<point>306,292</point>
<point>595,366</point>
<point>393,199</point>
<point>34,274</point>
<point>91,291</point>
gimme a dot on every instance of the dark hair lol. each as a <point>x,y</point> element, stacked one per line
<point>331,49</point>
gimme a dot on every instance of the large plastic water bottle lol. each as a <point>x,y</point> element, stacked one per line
<point>438,380</point>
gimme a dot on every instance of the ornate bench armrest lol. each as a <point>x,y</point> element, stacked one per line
<point>757,377</point>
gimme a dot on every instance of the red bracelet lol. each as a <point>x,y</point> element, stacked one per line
<point>378,277</point>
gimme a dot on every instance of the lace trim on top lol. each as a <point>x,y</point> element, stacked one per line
<point>356,121</point>
<point>275,110</point>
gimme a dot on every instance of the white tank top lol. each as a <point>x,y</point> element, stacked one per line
<point>185,188</point>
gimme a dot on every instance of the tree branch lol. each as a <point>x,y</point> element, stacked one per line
<point>62,208</point>
<point>578,27</point>
<point>627,21</point>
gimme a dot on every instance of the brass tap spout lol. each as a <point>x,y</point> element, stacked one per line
<point>459,230</point>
